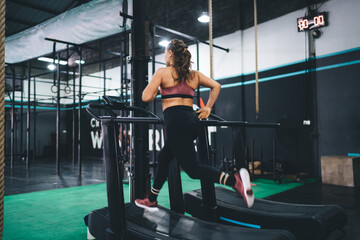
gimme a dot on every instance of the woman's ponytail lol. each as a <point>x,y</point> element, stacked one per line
<point>182,59</point>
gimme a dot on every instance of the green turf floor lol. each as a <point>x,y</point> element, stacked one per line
<point>58,214</point>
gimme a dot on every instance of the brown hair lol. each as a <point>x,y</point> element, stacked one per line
<point>182,59</point>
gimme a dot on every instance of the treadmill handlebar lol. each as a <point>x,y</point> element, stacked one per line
<point>150,119</point>
<point>238,124</point>
<point>219,121</point>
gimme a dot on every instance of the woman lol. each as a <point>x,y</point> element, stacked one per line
<point>177,85</point>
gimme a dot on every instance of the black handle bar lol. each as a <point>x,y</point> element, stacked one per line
<point>151,119</point>
<point>219,121</point>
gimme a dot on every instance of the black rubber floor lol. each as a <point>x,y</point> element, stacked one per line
<point>318,193</point>
<point>42,175</point>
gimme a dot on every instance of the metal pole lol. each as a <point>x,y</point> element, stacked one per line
<point>28,121</point>
<point>34,151</point>
<point>253,155</point>
<point>21,114</point>
<point>140,72</point>
<point>104,69</point>
<point>197,68</point>
<point>13,120</point>
<point>74,124</point>
<point>79,113</point>
<point>58,115</point>
<point>154,102</point>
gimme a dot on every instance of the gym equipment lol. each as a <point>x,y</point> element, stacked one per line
<point>127,221</point>
<point>225,206</point>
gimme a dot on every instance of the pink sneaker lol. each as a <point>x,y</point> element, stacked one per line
<point>243,187</point>
<point>146,204</point>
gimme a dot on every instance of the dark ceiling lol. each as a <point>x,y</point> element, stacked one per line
<point>228,16</point>
<point>24,14</point>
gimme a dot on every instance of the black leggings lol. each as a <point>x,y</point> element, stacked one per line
<point>181,125</point>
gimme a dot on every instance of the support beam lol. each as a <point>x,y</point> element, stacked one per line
<point>180,34</point>
<point>83,46</point>
<point>140,71</point>
<point>58,115</point>
<point>13,120</point>
<point>21,116</point>
<point>74,124</point>
<point>79,114</point>
<point>34,112</point>
<point>28,121</point>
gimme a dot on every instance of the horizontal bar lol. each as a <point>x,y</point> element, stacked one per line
<point>189,37</point>
<point>81,45</point>
<point>238,124</point>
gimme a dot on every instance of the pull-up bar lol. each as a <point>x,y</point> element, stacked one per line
<point>189,37</point>
<point>84,46</point>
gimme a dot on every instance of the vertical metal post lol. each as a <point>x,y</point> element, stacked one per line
<point>13,121</point>
<point>104,69</point>
<point>58,114</point>
<point>154,102</point>
<point>28,121</point>
<point>34,137</point>
<point>253,155</point>
<point>74,123</point>
<point>21,114</point>
<point>79,113</point>
<point>197,68</point>
<point>140,72</point>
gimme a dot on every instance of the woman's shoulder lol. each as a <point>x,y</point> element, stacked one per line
<point>194,73</point>
<point>164,70</point>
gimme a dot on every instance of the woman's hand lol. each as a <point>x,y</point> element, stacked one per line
<point>204,112</point>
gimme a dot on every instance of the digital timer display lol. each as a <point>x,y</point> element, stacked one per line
<point>312,22</point>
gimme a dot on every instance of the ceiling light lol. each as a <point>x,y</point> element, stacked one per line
<point>204,18</point>
<point>51,67</point>
<point>77,61</point>
<point>50,60</point>
<point>164,43</point>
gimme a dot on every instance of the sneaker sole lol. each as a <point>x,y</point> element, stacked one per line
<point>150,209</point>
<point>248,193</point>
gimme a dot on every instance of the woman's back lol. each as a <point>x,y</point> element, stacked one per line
<point>175,92</point>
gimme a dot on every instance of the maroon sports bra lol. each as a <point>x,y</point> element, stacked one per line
<point>182,90</point>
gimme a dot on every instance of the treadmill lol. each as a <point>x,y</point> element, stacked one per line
<point>219,204</point>
<point>127,221</point>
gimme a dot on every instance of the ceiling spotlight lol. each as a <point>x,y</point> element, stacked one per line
<point>51,67</point>
<point>204,18</point>
<point>164,43</point>
<point>77,61</point>
<point>50,60</point>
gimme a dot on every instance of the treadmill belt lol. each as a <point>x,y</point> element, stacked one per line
<point>305,221</point>
<point>166,224</point>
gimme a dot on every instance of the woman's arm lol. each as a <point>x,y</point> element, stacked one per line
<point>151,90</point>
<point>214,93</point>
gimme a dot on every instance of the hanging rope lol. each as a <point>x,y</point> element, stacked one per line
<point>2,111</point>
<point>211,39</point>
<point>256,64</point>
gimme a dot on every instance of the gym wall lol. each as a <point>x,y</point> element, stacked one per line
<point>323,91</point>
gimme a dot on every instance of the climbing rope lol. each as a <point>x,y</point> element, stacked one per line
<point>211,39</point>
<point>2,111</point>
<point>256,64</point>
